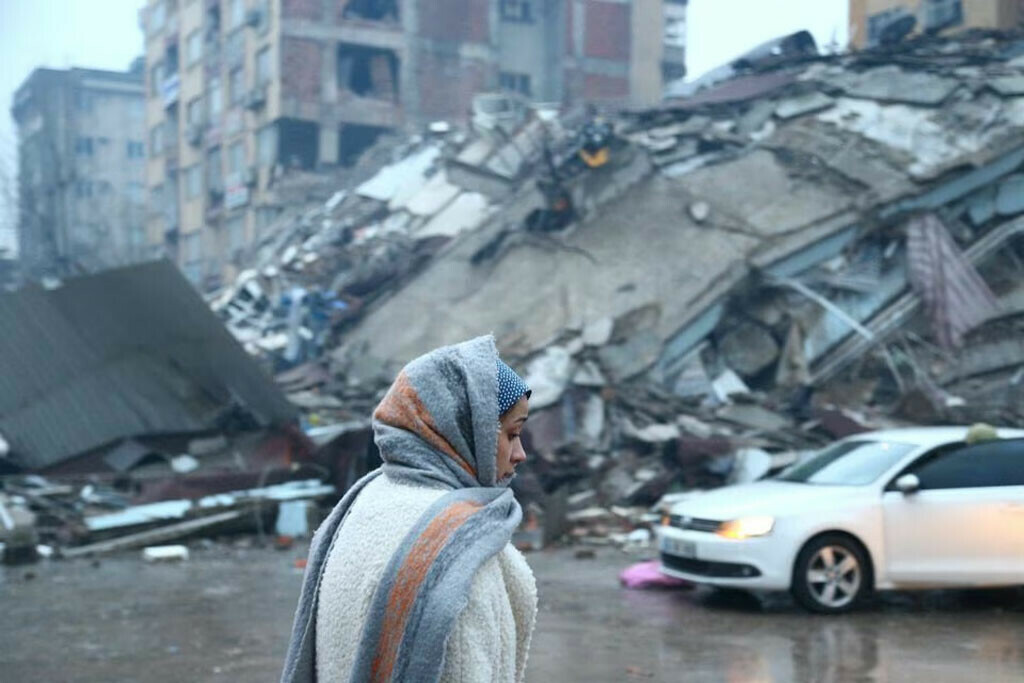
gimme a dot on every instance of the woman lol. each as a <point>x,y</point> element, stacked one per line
<point>411,577</point>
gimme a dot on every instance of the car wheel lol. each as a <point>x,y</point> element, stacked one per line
<point>831,575</point>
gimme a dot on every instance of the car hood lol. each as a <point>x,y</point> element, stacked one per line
<point>759,498</point>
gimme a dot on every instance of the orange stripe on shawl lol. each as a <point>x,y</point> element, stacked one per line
<point>402,408</point>
<point>408,581</point>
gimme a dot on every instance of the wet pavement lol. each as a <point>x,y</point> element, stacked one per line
<point>225,616</point>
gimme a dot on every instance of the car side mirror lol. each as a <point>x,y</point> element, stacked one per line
<point>907,484</point>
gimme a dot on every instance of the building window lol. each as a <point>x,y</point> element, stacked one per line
<point>135,150</point>
<point>83,189</point>
<point>195,111</point>
<point>83,147</point>
<point>156,199</point>
<point>236,233</point>
<point>214,171</point>
<point>236,85</point>
<point>939,14</point>
<point>83,100</point>
<point>516,10</point>
<point>135,192</point>
<point>156,78</point>
<point>236,158</point>
<point>514,82</point>
<point>157,17</point>
<point>263,66</point>
<point>214,99</point>
<point>266,141</point>
<point>194,47</point>
<point>193,181</point>
<point>237,13</point>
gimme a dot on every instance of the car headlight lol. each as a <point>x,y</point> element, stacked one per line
<point>746,527</point>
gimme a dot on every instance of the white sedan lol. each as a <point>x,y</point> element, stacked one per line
<point>898,509</point>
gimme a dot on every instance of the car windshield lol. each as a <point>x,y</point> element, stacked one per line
<point>848,463</point>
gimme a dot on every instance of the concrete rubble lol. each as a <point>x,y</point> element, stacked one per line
<point>730,291</point>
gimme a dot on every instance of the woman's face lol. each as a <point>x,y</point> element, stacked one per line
<point>510,445</point>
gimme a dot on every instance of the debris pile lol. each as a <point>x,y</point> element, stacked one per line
<point>815,246</point>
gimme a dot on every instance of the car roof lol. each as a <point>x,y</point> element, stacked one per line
<point>930,436</point>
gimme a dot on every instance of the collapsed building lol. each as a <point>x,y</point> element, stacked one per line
<point>123,399</point>
<point>813,246</point>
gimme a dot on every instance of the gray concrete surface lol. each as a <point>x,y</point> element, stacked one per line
<point>225,616</point>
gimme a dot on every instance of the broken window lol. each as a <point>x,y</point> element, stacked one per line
<point>940,14</point>
<point>171,59</point>
<point>374,10</point>
<point>353,140</point>
<point>298,143</point>
<point>214,172</point>
<point>517,10</point>
<point>263,67</point>
<point>368,72</point>
<point>514,82</point>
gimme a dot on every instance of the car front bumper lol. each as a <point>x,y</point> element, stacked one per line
<point>758,563</point>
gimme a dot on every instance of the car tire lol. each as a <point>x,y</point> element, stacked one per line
<point>831,575</point>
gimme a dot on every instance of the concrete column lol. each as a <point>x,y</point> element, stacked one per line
<point>329,72</point>
<point>328,147</point>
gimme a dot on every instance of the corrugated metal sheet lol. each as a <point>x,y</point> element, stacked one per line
<point>128,352</point>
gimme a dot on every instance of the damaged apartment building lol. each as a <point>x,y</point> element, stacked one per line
<point>240,92</point>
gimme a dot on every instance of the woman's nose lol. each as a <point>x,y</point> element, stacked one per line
<point>518,455</point>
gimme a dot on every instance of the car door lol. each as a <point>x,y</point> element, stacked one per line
<point>965,525</point>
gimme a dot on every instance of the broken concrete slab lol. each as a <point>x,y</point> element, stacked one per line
<point>694,426</point>
<point>598,332</point>
<point>804,104</point>
<point>1010,195</point>
<point>548,376</point>
<point>654,434</point>
<point>756,117</point>
<point>893,84</point>
<point>1007,86</point>
<point>629,359</point>
<point>728,384</point>
<point>981,206</point>
<point>754,417</point>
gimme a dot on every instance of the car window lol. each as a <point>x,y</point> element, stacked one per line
<point>992,463</point>
<point>848,463</point>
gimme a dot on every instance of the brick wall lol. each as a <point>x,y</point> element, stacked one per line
<point>461,21</point>
<point>608,32</point>
<point>301,61</point>
<point>447,85</point>
<point>598,88</point>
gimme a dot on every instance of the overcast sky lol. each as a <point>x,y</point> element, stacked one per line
<point>104,34</point>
